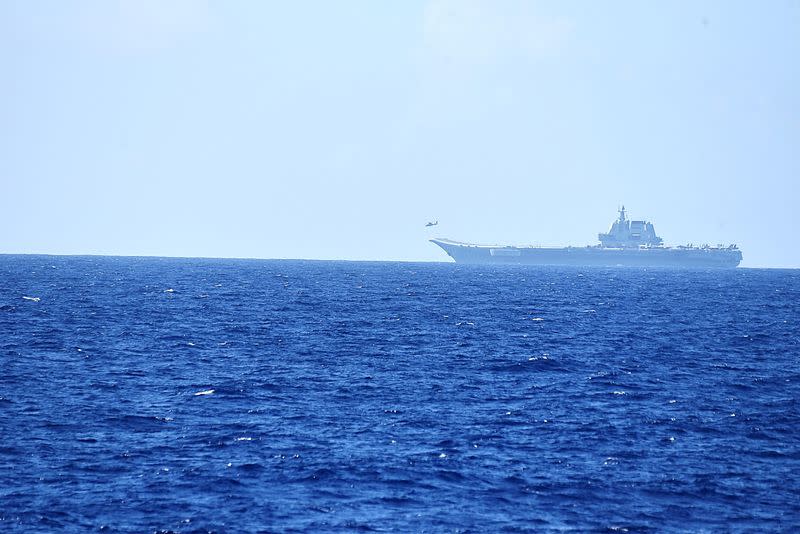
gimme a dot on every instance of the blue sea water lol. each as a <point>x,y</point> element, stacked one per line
<point>191,395</point>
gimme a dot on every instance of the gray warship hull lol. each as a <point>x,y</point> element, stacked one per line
<point>676,257</point>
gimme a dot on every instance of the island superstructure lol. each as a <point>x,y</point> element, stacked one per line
<point>627,243</point>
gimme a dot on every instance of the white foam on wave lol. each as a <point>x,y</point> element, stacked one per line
<point>204,392</point>
<point>32,299</point>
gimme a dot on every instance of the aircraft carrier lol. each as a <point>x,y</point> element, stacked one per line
<point>627,243</point>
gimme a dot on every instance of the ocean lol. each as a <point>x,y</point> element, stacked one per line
<point>203,395</point>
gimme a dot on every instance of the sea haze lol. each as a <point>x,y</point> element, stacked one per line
<point>189,395</point>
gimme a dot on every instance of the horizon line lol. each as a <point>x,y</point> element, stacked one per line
<point>253,258</point>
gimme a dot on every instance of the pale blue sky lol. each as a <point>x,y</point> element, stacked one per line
<point>337,129</point>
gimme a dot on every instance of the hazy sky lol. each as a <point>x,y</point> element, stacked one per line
<point>324,129</point>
